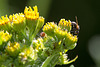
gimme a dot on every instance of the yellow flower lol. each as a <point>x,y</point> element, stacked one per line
<point>29,52</point>
<point>18,22</point>
<point>38,44</point>
<point>70,41</point>
<point>13,49</point>
<point>10,18</point>
<point>17,18</point>
<point>60,34</point>
<point>5,23</point>
<point>30,13</point>
<point>41,20</point>
<point>5,36</point>
<point>5,19</point>
<point>1,32</point>
<point>65,25</point>
<point>49,28</point>
<point>71,38</point>
<point>22,58</point>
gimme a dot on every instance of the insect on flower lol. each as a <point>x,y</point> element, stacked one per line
<point>42,34</point>
<point>75,27</point>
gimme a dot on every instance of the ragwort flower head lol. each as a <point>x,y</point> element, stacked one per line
<point>13,49</point>
<point>30,13</point>
<point>49,28</point>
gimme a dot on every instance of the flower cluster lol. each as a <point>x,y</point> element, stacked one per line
<point>61,32</point>
<point>21,45</point>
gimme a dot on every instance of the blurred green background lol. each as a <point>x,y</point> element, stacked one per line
<point>87,11</point>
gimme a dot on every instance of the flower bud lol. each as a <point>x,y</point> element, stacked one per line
<point>40,23</point>
<point>18,22</point>
<point>28,54</point>
<point>70,41</point>
<point>13,49</point>
<point>38,44</point>
<point>5,23</point>
<point>5,36</point>
<point>30,14</point>
<point>32,17</point>
<point>49,28</point>
<point>65,25</point>
<point>60,34</point>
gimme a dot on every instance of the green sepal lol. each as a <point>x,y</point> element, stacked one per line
<point>6,27</point>
<point>40,23</point>
<point>31,24</point>
<point>19,27</point>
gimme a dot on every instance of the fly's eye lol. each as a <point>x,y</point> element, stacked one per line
<point>42,34</point>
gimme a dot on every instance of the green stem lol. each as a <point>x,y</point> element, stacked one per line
<point>47,61</point>
<point>56,61</point>
<point>34,34</point>
<point>54,64</point>
<point>25,36</point>
<point>50,58</point>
